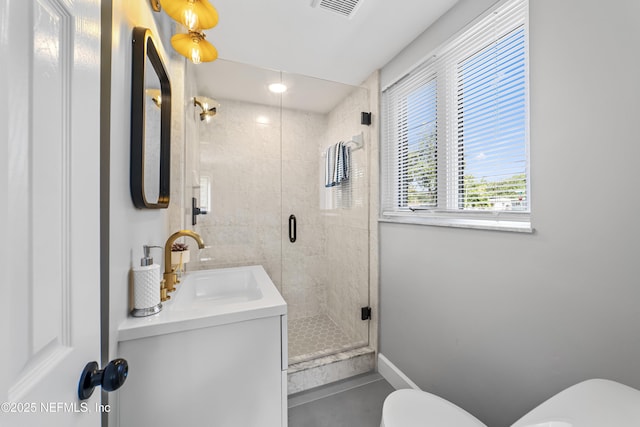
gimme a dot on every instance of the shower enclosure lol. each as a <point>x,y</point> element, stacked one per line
<point>258,169</point>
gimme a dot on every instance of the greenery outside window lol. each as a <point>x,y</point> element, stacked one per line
<point>455,147</point>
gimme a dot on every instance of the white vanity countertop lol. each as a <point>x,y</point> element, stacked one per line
<point>210,298</point>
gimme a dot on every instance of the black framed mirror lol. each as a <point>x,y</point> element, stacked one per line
<point>150,125</point>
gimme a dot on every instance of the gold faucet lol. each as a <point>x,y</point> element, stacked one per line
<point>170,277</point>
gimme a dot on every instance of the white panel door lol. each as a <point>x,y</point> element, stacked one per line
<point>49,186</point>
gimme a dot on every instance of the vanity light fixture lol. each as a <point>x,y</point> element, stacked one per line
<point>278,87</point>
<point>208,105</point>
<point>193,46</point>
<point>195,15</point>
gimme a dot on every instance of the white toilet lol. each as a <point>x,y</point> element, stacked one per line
<point>415,408</point>
<point>591,403</point>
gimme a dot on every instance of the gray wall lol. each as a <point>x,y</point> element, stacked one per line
<point>495,321</point>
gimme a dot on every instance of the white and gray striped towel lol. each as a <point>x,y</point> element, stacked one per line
<point>337,164</point>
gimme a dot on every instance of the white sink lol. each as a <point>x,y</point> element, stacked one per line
<point>209,298</point>
<point>224,286</point>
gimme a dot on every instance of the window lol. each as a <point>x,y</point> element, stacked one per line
<point>455,131</point>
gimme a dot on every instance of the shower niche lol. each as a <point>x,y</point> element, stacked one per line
<point>263,169</point>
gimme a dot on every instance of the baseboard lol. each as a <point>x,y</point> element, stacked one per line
<point>393,375</point>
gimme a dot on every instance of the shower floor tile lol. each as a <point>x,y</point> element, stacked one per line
<point>316,336</point>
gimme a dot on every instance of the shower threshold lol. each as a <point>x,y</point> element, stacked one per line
<point>324,370</point>
<point>321,353</point>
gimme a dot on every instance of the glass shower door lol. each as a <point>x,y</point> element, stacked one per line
<point>259,170</point>
<point>325,229</point>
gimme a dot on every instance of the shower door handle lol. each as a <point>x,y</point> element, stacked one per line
<point>293,228</point>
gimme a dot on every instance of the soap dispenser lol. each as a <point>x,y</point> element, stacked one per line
<point>146,286</point>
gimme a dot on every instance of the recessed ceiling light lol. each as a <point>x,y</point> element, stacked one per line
<point>277,87</point>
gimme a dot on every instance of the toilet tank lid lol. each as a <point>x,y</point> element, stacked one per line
<point>591,403</point>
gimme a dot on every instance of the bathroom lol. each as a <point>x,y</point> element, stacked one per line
<point>494,321</point>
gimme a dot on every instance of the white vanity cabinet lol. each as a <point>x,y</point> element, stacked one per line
<point>228,375</point>
<point>221,370</point>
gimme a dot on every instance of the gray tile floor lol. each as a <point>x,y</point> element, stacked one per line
<point>351,403</point>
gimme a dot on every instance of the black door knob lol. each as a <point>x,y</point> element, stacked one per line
<point>110,378</point>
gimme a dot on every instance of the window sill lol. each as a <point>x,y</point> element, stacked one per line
<point>521,225</point>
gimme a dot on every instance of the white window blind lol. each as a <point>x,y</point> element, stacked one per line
<point>455,129</point>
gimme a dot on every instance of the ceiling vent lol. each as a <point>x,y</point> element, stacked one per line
<point>346,8</point>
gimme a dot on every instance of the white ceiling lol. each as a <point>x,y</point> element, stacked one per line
<point>232,80</point>
<point>292,36</point>
<point>296,38</point>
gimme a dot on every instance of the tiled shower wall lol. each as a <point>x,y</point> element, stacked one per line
<point>326,270</point>
<point>241,159</point>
